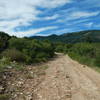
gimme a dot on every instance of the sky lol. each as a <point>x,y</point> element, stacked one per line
<point>24,18</point>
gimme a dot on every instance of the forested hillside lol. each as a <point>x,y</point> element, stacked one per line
<point>75,37</point>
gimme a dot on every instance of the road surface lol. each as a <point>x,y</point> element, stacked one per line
<point>66,79</point>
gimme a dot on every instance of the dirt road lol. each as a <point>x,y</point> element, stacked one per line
<point>68,80</point>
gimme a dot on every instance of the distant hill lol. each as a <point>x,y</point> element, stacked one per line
<point>75,37</point>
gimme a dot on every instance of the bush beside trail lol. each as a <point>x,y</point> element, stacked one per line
<point>86,53</point>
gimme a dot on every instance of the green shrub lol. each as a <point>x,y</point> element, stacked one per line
<point>30,51</point>
<point>18,43</point>
<point>3,41</point>
<point>14,55</point>
<point>4,97</point>
<point>4,63</point>
<point>86,53</point>
<point>97,61</point>
<point>17,66</point>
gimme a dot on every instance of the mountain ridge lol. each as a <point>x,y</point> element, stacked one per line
<point>74,37</point>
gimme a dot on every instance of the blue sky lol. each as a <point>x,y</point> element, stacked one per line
<point>44,17</point>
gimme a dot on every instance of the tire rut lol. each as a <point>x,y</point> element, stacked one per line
<point>67,80</point>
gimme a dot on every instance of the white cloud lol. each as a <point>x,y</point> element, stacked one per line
<point>57,32</point>
<point>77,15</point>
<point>89,25</point>
<point>14,13</point>
<point>93,3</point>
<point>62,31</point>
<point>75,22</point>
<point>30,32</point>
<point>81,14</point>
<point>97,25</point>
<point>54,3</point>
<point>24,8</point>
<point>51,17</point>
<point>34,31</point>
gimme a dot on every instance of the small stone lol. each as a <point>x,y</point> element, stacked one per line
<point>84,66</point>
<point>67,76</point>
<point>21,93</point>
<point>1,89</point>
<point>4,77</point>
<point>9,67</point>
